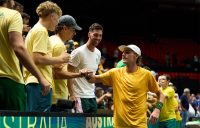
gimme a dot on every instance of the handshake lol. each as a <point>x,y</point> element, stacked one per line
<point>86,73</point>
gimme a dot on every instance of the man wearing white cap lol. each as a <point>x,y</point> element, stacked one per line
<point>130,86</point>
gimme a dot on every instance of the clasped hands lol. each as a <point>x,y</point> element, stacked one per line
<point>86,73</point>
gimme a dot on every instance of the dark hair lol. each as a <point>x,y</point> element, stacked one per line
<point>139,61</point>
<point>167,77</point>
<point>58,28</point>
<point>2,2</point>
<point>147,68</point>
<point>25,15</point>
<point>95,26</point>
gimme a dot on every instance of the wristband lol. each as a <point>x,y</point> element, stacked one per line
<point>159,105</point>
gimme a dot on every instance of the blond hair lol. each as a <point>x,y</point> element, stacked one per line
<point>48,7</point>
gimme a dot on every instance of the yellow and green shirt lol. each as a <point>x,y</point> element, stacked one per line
<point>178,116</point>
<point>130,95</point>
<point>168,111</point>
<point>10,21</point>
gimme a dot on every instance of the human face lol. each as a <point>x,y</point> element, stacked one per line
<point>162,81</point>
<point>26,21</point>
<point>95,37</point>
<point>129,57</point>
<point>54,18</point>
<point>69,32</point>
<point>11,4</point>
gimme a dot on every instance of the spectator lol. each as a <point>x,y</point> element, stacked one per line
<point>86,56</point>
<point>184,100</point>
<point>13,51</point>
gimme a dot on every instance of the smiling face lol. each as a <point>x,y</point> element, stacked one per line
<point>95,37</point>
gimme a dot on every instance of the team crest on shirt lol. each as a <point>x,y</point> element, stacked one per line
<point>2,14</point>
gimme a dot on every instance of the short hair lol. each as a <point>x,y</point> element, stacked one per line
<point>25,15</point>
<point>168,77</point>
<point>48,7</point>
<point>17,4</point>
<point>2,2</point>
<point>95,26</point>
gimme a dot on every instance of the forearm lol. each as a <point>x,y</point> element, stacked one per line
<point>94,79</point>
<point>27,61</point>
<point>161,97</point>
<point>59,74</point>
<point>70,83</point>
<point>41,59</point>
<point>17,44</point>
<point>100,98</point>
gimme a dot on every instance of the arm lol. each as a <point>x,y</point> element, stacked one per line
<point>100,99</point>
<point>70,82</point>
<point>17,44</point>
<point>59,74</point>
<point>42,59</point>
<point>93,78</point>
<point>155,114</point>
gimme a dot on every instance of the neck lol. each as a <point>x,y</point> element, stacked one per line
<point>164,86</point>
<point>62,37</point>
<point>44,23</point>
<point>131,68</point>
<point>90,47</point>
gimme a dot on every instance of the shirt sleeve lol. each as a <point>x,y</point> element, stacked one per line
<point>40,42</point>
<point>152,84</point>
<point>16,23</point>
<point>75,58</point>
<point>106,78</point>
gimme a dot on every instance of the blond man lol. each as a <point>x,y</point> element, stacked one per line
<point>38,44</point>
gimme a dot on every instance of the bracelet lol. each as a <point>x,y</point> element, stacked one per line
<point>159,105</point>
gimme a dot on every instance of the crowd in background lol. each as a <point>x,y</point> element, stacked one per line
<point>89,98</point>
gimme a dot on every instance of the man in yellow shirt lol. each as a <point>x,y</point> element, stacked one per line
<point>12,88</point>
<point>167,117</point>
<point>65,30</point>
<point>38,44</point>
<point>130,86</point>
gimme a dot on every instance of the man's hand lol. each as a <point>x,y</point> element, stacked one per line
<point>45,86</point>
<point>65,57</point>
<point>154,116</point>
<point>108,94</point>
<point>84,72</point>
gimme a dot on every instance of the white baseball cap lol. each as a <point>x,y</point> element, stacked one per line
<point>133,47</point>
<point>186,90</point>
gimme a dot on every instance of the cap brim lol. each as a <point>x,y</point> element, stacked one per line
<point>77,28</point>
<point>123,47</point>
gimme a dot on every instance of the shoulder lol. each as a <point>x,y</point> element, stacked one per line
<point>144,71</point>
<point>56,41</point>
<point>11,11</point>
<point>115,70</point>
<point>97,51</point>
<point>39,30</point>
<point>10,14</point>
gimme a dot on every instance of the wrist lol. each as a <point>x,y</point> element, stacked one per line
<point>81,74</point>
<point>159,105</point>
